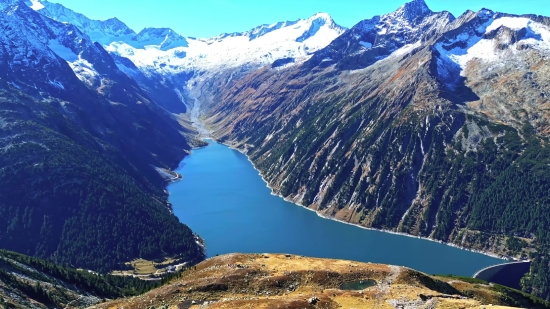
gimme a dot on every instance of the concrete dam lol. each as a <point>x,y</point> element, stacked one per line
<point>508,274</point>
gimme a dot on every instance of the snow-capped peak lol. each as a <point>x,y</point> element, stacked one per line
<point>325,19</point>
<point>103,32</point>
<point>412,10</point>
<point>323,15</point>
<point>293,41</point>
<point>485,13</point>
<point>317,21</point>
<point>319,18</point>
<point>161,38</point>
<point>490,38</point>
<point>409,12</point>
<point>35,4</point>
<point>409,18</point>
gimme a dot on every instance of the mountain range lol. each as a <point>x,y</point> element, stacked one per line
<point>415,121</point>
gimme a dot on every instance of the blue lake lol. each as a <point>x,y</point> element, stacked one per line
<point>224,200</point>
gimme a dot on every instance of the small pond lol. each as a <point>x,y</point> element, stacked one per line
<point>358,285</point>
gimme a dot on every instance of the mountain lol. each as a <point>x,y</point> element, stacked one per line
<point>160,38</point>
<point>375,39</point>
<point>27,282</point>
<point>163,62</point>
<point>103,32</point>
<point>415,122</point>
<point>82,146</point>
<point>260,46</point>
<point>288,281</point>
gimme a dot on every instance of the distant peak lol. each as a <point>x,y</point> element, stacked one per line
<point>322,18</point>
<point>114,20</point>
<point>414,8</point>
<point>321,15</point>
<point>164,38</point>
<point>485,13</point>
<point>158,32</point>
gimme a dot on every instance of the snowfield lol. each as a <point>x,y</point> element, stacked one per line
<point>484,43</point>
<point>260,46</point>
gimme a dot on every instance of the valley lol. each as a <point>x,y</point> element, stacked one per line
<point>223,198</point>
<point>416,123</point>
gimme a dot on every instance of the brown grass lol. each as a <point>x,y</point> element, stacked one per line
<point>289,281</point>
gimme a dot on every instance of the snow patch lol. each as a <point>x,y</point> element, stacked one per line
<point>56,84</point>
<point>514,23</point>
<point>84,70</point>
<point>62,51</point>
<point>36,5</point>
<point>367,45</point>
<point>406,49</point>
<point>456,53</point>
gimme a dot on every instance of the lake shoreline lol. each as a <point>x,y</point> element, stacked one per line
<point>490,254</point>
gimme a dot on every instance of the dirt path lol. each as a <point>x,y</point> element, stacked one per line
<point>386,282</point>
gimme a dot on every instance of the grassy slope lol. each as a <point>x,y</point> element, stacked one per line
<point>288,281</point>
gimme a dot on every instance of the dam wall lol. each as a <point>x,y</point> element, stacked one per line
<point>508,274</point>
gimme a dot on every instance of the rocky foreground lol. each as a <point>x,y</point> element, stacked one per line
<point>289,281</point>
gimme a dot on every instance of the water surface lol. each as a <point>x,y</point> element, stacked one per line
<point>224,200</point>
<point>358,285</point>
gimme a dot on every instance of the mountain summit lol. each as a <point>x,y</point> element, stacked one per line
<point>277,44</point>
<point>377,38</point>
<point>104,32</point>
<point>413,9</point>
<point>162,38</point>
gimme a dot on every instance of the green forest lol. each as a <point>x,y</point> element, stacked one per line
<point>49,283</point>
<point>71,198</point>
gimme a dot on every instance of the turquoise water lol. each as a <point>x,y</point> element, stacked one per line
<point>224,200</point>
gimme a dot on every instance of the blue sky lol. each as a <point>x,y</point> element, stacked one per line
<point>206,18</point>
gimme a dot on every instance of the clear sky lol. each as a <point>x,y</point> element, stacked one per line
<point>206,18</point>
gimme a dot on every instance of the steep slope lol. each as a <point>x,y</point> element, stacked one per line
<point>411,122</point>
<point>287,281</point>
<point>81,144</point>
<point>27,282</point>
<point>103,32</point>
